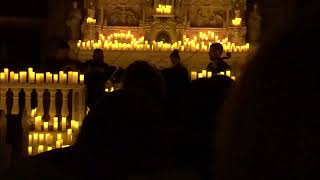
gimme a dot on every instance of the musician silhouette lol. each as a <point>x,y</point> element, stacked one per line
<point>217,64</point>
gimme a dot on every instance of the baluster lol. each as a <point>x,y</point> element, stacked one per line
<point>15,105</point>
<point>52,108</point>
<point>3,97</point>
<point>64,110</point>
<point>75,104</point>
<point>40,102</point>
<point>28,107</point>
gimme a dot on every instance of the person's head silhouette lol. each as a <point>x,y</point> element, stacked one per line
<point>175,57</point>
<point>98,55</point>
<point>216,50</point>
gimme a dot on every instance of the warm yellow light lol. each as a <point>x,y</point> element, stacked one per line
<point>237,22</point>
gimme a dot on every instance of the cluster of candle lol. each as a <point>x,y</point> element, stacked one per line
<point>127,41</point>
<point>207,74</point>
<point>164,9</point>
<point>237,22</point>
<point>47,135</point>
<point>109,89</point>
<point>91,20</point>
<point>32,77</point>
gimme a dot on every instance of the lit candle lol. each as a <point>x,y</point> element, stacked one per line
<point>2,77</point>
<point>81,78</point>
<point>48,77</point>
<point>6,74</point>
<point>30,139</point>
<point>55,123</point>
<point>63,123</point>
<point>37,123</point>
<point>58,144</point>
<point>228,73</point>
<point>70,77</point>
<point>38,78</point>
<point>75,77</point>
<point>193,75</point>
<point>29,150</point>
<point>72,124</point>
<point>200,75</point>
<point>204,73</point>
<point>222,73</point>
<point>59,136</point>
<point>55,78</point>
<point>23,77</point>
<point>209,74</point>
<point>45,126</point>
<point>69,136</point>
<point>11,78</point>
<point>16,77</point>
<point>33,112</point>
<point>49,148</point>
<point>76,126</point>
<point>40,149</point>
<point>35,138</point>
<point>50,140</point>
<point>32,76</point>
<point>233,78</point>
<point>41,138</point>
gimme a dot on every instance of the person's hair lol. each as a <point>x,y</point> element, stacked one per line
<point>141,76</point>
<point>217,46</point>
<point>175,54</point>
<point>97,51</point>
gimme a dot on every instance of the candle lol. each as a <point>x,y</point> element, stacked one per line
<point>33,112</point>
<point>49,148</point>
<point>72,124</point>
<point>2,77</point>
<point>49,140</point>
<point>233,78</point>
<point>35,138</point>
<point>23,77</point>
<point>76,126</point>
<point>48,77</point>
<point>69,136</point>
<point>63,123</point>
<point>200,75</point>
<point>6,74</point>
<point>81,78</point>
<point>59,136</point>
<point>55,123</point>
<point>70,77</point>
<point>228,73</point>
<point>11,78</point>
<point>16,77</point>
<point>40,149</point>
<point>75,77</point>
<point>30,139</point>
<point>32,76</point>
<point>41,138</point>
<point>29,150</point>
<point>38,123</point>
<point>209,74</point>
<point>193,75</point>
<point>222,73</point>
<point>38,78</point>
<point>204,73</point>
<point>45,126</point>
<point>55,78</point>
<point>58,143</point>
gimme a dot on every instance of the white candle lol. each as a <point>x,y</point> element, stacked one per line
<point>29,150</point>
<point>6,74</point>
<point>11,78</point>
<point>37,123</point>
<point>30,139</point>
<point>23,77</point>
<point>49,148</point>
<point>200,75</point>
<point>75,77</point>
<point>40,149</point>
<point>50,140</point>
<point>233,78</point>
<point>81,78</point>
<point>222,73</point>
<point>58,144</point>
<point>76,126</point>
<point>228,73</point>
<point>48,77</point>
<point>69,136</point>
<point>72,124</point>
<point>35,138</point>
<point>193,75</point>
<point>16,77</point>
<point>2,77</point>
<point>204,73</point>
<point>70,77</point>
<point>33,112</point>
<point>45,126</point>
<point>55,123</point>
<point>63,123</point>
<point>55,78</point>
<point>41,138</point>
<point>32,76</point>
<point>59,136</point>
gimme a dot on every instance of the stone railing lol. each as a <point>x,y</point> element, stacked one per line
<point>52,106</point>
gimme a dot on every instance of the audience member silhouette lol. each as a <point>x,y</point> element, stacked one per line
<point>61,60</point>
<point>205,99</point>
<point>270,127</point>
<point>217,64</point>
<point>176,77</point>
<point>97,72</point>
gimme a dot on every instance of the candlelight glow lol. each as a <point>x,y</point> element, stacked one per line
<point>164,9</point>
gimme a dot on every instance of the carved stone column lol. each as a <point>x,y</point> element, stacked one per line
<point>64,110</point>
<point>15,106</point>
<point>52,108</point>
<point>28,101</point>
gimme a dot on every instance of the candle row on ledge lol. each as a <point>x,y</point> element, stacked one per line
<point>40,142</point>
<point>127,42</point>
<point>207,74</point>
<point>32,77</point>
<point>40,125</point>
<point>164,9</point>
<point>237,22</point>
<point>91,21</point>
